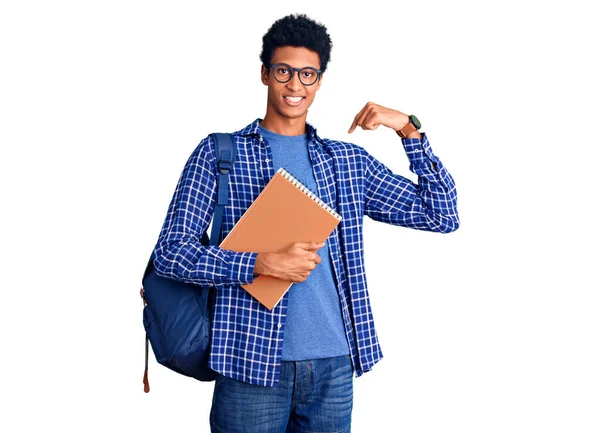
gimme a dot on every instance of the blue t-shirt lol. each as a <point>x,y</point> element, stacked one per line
<point>314,327</point>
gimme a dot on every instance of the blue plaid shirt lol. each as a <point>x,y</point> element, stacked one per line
<point>246,337</point>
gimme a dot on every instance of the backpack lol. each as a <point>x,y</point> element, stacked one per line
<point>176,314</point>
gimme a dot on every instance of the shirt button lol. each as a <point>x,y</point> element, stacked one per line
<point>279,326</point>
<point>266,159</point>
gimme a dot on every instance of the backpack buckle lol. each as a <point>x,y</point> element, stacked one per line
<point>225,162</point>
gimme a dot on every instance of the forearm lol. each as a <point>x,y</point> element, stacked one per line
<point>428,205</point>
<point>179,252</point>
<point>435,204</point>
<point>415,134</point>
<point>205,265</point>
<point>434,207</point>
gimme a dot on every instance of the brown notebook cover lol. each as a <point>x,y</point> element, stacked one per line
<point>283,213</point>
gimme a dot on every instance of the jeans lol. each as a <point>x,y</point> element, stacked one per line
<point>312,397</point>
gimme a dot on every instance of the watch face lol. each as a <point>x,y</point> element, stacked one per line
<point>415,121</point>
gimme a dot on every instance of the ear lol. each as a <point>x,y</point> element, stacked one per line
<point>263,75</point>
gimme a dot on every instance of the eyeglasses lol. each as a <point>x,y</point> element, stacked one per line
<point>284,73</point>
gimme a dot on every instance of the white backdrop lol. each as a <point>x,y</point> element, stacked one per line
<point>493,328</point>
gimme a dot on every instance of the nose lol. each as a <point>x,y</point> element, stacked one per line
<point>294,83</point>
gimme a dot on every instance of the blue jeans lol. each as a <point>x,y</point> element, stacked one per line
<point>312,397</point>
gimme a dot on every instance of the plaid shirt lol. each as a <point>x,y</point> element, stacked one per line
<point>246,337</point>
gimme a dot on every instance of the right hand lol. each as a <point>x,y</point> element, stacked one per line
<point>293,263</point>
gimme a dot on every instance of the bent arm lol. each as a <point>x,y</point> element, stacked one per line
<point>428,205</point>
<point>179,252</point>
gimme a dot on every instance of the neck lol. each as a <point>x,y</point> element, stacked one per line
<point>284,126</point>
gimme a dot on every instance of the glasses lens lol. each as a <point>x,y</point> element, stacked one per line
<point>308,76</point>
<point>282,73</point>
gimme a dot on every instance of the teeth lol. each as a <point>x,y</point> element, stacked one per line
<point>293,98</point>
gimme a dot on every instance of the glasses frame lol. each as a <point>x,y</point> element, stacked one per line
<point>298,70</point>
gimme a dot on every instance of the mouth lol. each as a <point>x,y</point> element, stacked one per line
<point>294,101</point>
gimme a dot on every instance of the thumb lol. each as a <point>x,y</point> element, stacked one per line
<point>316,245</point>
<point>309,245</point>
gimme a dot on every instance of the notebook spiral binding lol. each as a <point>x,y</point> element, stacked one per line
<point>309,193</point>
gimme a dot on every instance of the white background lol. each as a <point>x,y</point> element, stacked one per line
<point>493,328</point>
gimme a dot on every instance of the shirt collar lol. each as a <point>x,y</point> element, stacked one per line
<point>254,129</point>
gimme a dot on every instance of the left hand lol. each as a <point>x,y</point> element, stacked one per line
<point>373,115</point>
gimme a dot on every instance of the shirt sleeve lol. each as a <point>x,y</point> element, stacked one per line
<point>179,252</point>
<point>428,205</point>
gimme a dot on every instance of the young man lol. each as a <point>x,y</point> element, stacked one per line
<point>291,369</point>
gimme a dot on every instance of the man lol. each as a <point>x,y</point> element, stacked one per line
<point>291,369</point>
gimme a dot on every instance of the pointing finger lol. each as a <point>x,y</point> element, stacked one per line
<point>357,120</point>
<point>365,114</point>
<point>354,123</point>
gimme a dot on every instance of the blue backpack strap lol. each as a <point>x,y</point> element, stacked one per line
<point>226,154</point>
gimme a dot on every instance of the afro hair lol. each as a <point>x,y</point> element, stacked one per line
<point>297,30</point>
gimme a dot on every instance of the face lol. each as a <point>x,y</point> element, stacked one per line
<point>282,97</point>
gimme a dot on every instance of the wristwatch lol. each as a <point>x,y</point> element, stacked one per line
<point>412,126</point>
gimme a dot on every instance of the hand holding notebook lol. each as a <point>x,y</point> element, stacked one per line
<point>285,212</point>
<point>293,263</point>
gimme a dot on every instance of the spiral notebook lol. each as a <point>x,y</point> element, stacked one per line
<point>285,211</point>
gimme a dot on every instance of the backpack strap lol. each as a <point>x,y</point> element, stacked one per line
<point>226,155</point>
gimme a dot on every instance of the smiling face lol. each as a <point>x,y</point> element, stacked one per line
<point>289,102</point>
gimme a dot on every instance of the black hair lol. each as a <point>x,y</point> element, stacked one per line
<point>297,30</point>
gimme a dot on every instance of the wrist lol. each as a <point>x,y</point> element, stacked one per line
<point>415,134</point>
<point>260,267</point>
<point>410,129</point>
<point>402,122</point>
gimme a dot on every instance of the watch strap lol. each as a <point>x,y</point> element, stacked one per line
<point>408,129</point>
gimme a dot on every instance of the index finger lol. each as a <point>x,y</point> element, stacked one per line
<point>355,122</point>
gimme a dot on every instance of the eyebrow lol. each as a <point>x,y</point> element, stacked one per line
<point>300,67</point>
